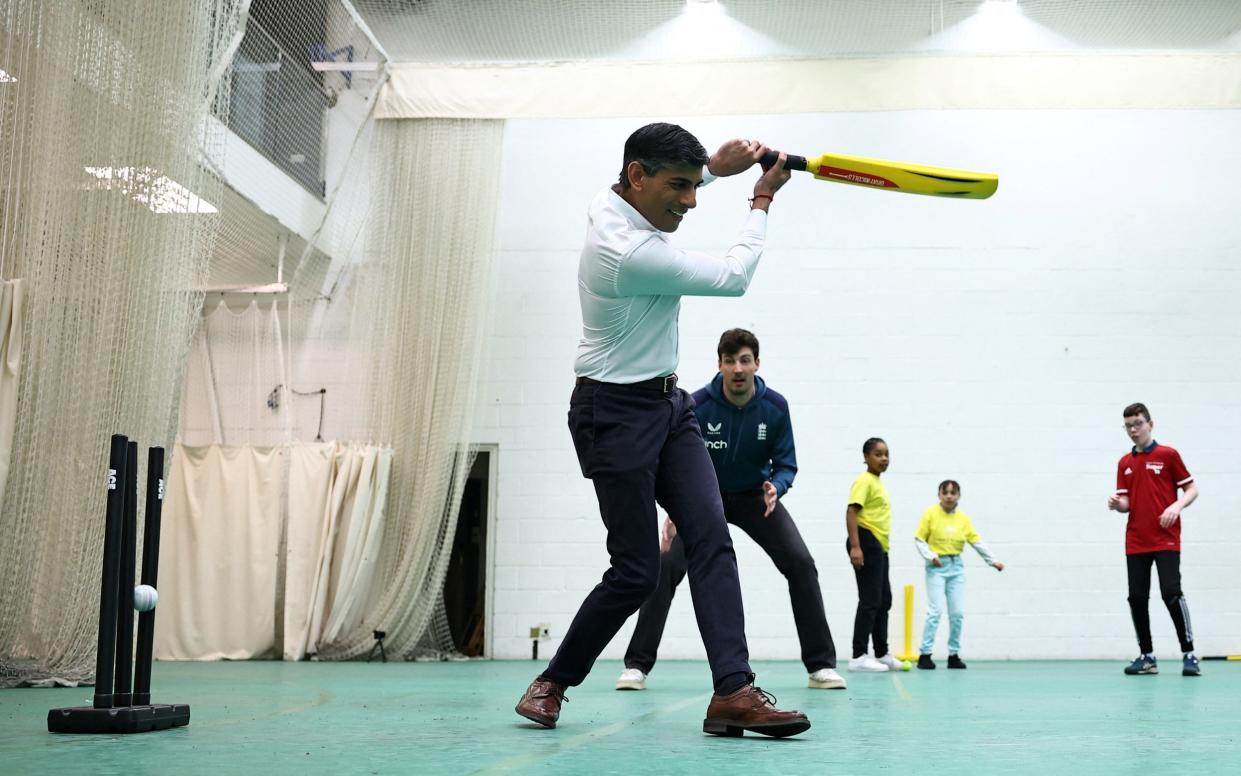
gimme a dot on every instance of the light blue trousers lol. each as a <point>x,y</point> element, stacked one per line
<point>945,586</point>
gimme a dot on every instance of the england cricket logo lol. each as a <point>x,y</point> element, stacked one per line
<point>762,431</point>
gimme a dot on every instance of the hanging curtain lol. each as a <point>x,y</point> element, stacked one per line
<point>10,362</point>
<point>218,554</point>
<point>336,521</point>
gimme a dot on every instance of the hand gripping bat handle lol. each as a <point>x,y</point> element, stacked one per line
<point>791,162</point>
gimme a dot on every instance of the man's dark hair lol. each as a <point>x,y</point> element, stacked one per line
<point>1138,408</point>
<point>657,146</point>
<point>950,484</point>
<point>733,340</point>
<point>869,444</point>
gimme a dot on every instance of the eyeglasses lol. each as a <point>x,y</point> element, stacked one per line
<point>1135,424</point>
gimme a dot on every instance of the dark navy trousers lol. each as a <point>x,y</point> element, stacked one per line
<point>777,534</point>
<point>640,446</point>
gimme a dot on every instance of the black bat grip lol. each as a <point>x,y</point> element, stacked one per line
<point>791,162</point>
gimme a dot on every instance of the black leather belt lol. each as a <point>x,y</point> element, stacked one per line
<point>665,384</point>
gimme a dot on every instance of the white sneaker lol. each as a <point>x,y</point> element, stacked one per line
<point>891,662</point>
<point>631,679</point>
<point>826,679</point>
<point>867,664</point>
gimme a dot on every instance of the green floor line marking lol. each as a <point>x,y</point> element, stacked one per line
<point>582,738</point>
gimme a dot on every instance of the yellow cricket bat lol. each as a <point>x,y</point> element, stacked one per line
<point>894,176</point>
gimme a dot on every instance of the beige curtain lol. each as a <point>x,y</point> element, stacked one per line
<point>10,362</point>
<point>335,525</point>
<point>218,554</point>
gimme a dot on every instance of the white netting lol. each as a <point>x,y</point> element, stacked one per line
<point>542,30</point>
<point>387,273</point>
<point>236,392</point>
<point>109,220</point>
<point>415,297</point>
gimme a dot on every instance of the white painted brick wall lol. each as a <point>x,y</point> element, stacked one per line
<point>992,342</point>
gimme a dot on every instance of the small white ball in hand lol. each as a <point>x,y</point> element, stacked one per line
<point>145,598</point>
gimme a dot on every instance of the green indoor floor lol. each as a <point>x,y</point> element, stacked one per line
<point>449,718</point>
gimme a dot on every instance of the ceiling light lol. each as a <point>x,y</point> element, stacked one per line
<point>149,187</point>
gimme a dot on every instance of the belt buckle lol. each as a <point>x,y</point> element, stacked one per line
<point>670,383</point>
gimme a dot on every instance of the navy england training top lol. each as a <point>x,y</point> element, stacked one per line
<point>749,445</point>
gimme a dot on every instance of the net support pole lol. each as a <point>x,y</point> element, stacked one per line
<point>150,573</point>
<point>110,576</point>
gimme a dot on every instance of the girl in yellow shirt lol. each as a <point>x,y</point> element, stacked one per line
<point>868,519</point>
<point>941,535</point>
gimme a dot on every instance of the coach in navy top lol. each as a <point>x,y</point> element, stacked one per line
<point>746,428</point>
<point>751,444</point>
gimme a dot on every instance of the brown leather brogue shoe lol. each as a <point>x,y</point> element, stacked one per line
<point>541,703</point>
<point>751,709</point>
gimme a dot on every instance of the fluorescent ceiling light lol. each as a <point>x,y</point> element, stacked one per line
<point>149,187</point>
<point>703,31</point>
<point>997,26</point>
<point>324,66</point>
<point>998,6</point>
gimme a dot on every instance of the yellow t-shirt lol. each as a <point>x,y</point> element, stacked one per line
<point>876,515</point>
<point>946,533</point>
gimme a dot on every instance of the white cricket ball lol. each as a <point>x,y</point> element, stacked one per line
<point>145,598</point>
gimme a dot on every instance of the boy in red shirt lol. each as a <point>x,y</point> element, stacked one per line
<point>1147,479</point>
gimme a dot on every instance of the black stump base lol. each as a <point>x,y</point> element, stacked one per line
<point>122,719</point>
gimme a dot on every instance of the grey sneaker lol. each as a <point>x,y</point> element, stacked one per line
<point>1142,664</point>
<point>1190,666</point>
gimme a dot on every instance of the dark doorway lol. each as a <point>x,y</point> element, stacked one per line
<point>465,586</point>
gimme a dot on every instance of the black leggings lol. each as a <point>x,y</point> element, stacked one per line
<point>874,594</point>
<point>1169,564</point>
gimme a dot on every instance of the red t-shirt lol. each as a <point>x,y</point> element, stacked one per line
<point>1150,478</point>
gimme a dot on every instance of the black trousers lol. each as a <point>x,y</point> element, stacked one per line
<point>1169,564</point>
<point>874,596</point>
<point>640,446</point>
<point>777,534</point>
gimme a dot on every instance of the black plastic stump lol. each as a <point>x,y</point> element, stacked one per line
<point>122,708</point>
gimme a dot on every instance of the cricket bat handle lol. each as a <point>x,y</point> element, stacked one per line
<point>791,162</point>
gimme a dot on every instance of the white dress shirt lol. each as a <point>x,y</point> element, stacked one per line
<point>631,280</point>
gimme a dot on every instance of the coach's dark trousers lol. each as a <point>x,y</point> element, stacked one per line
<point>1169,564</point>
<point>639,446</point>
<point>777,534</point>
<point>874,596</point>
